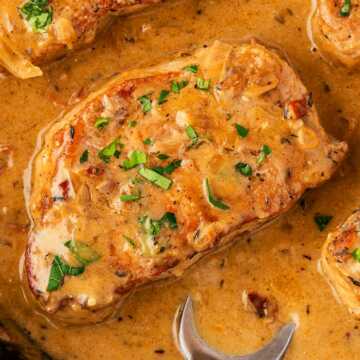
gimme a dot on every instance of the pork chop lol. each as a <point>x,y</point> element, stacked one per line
<point>33,32</point>
<point>165,165</point>
<point>340,262</point>
<point>336,30</point>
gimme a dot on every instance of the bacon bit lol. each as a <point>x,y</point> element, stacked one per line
<point>126,90</point>
<point>95,171</point>
<point>296,109</point>
<point>65,189</point>
<point>262,305</point>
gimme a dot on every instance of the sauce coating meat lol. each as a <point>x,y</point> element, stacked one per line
<point>165,165</point>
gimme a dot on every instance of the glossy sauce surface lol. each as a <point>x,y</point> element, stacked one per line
<point>279,262</point>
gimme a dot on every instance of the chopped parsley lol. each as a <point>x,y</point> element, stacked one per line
<point>130,241</point>
<point>102,122</point>
<point>163,96</point>
<point>192,134</point>
<point>135,158</point>
<point>177,86</point>
<point>345,10</point>
<point>215,202</point>
<point>84,157</point>
<point>192,68</point>
<point>241,130</point>
<point>59,269</point>
<point>130,197</point>
<point>356,254</point>
<point>156,178</point>
<point>38,14</point>
<point>322,221</point>
<point>264,153</point>
<point>244,169</point>
<point>173,165</point>
<point>202,84</point>
<point>110,150</point>
<point>132,123</point>
<point>162,156</point>
<point>148,141</point>
<point>146,103</point>
<point>82,252</point>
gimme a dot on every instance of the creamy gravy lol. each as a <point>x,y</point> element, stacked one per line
<point>280,261</point>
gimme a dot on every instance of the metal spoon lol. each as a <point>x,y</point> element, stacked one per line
<point>193,347</point>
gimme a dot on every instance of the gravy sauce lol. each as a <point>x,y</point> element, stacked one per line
<point>279,262</point>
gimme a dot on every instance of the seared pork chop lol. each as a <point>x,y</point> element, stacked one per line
<point>33,32</point>
<point>336,29</point>
<point>164,165</point>
<point>340,262</point>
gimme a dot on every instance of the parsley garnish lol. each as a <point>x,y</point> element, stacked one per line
<point>162,156</point>
<point>356,254</point>
<point>132,123</point>
<point>146,104</point>
<point>215,202</point>
<point>322,221</point>
<point>192,68</point>
<point>163,96</point>
<point>177,86</point>
<point>242,131</point>
<point>38,14</point>
<point>82,252</point>
<point>244,169</point>
<point>192,134</point>
<point>130,197</point>
<point>110,150</point>
<point>148,141</point>
<point>156,178</point>
<point>264,153</point>
<point>202,84</point>
<point>346,8</point>
<point>84,156</point>
<point>59,269</point>
<point>135,158</point>
<point>102,122</point>
<point>169,168</point>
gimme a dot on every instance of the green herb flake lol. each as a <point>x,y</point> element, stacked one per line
<point>171,167</point>
<point>148,141</point>
<point>192,134</point>
<point>177,86</point>
<point>135,158</point>
<point>203,84</point>
<point>170,219</point>
<point>132,123</point>
<point>264,153</point>
<point>59,269</point>
<point>38,14</point>
<point>130,197</point>
<point>241,130</point>
<point>356,254</point>
<point>244,169</point>
<point>102,122</point>
<point>145,102</point>
<point>82,252</point>
<point>215,202</point>
<point>163,96</point>
<point>345,10</point>
<point>192,68</point>
<point>162,156</point>
<point>156,178</point>
<point>322,221</point>
<point>84,157</point>
<point>110,150</point>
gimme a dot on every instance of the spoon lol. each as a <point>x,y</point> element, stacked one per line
<point>193,347</point>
